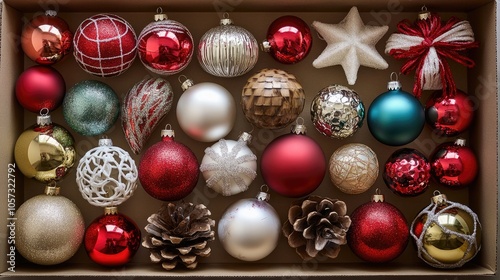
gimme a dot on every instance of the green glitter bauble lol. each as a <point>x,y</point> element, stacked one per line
<point>91,107</point>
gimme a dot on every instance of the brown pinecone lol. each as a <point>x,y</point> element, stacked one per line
<point>179,232</point>
<point>317,225</point>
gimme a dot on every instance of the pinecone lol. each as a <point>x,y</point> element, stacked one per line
<point>179,232</point>
<point>317,225</point>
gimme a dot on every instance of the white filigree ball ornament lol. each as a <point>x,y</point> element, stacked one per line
<point>229,166</point>
<point>106,175</point>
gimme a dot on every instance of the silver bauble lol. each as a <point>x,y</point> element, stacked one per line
<point>206,111</point>
<point>337,111</point>
<point>49,228</point>
<point>249,229</point>
<point>227,50</point>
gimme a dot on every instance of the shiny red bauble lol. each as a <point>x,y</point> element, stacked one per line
<point>288,39</point>
<point>449,115</point>
<point>46,39</point>
<point>293,165</point>
<point>165,46</point>
<point>168,170</point>
<point>407,172</point>
<point>112,240</point>
<point>379,232</point>
<point>453,164</point>
<point>40,87</point>
<point>104,45</point>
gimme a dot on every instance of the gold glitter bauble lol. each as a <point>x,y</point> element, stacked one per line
<point>353,168</point>
<point>49,229</point>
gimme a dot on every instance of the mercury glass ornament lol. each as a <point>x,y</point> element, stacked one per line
<point>337,111</point>
<point>227,50</point>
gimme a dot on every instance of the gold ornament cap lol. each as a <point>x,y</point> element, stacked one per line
<point>168,132</point>
<point>110,210</point>
<point>263,195</point>
<point>160,15</point>
<point>299,127</point>
<point>439,198</point>
<point>378,197</point>
<point>394,83</point>
<point>424,13</point>
<point>245,137</point>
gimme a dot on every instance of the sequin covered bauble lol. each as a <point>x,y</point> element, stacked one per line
<point>453,164</point>
<point>379,231</point>
<point>447,233</point>
<point>165,46</point>
<point>45,151</point>
<point>449,115</point>
<point>91,107</point>
<point>293,164</point>
<point>228,50</point>
<point>49,228</point>
<point>104,45</point>
<point>407,172</point>
<point>112,239</point>
<point>168,170</point>
<point>353,168</point>
<point>40,87</point>
<point>272,99</point>
<point>337,111</point>
<point>288,39</point>
<point>46,39</point>
<point>249,229</point>
<point>144,107</point>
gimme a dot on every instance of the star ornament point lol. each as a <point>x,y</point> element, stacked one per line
<point>351,44</point>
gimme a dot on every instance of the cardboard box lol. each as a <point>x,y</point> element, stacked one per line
<point>255,16</point>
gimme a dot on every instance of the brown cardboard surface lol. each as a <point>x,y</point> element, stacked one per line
<point>283,262</point>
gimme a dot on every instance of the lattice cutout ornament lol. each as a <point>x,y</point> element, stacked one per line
<point>106,175</point>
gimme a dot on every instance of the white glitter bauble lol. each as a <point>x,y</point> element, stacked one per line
<point>106,175</point>
<point>354,168</point>
<point>250,228</point>
<point>229,166</point>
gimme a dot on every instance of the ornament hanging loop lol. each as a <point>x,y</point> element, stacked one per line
<point>44,112</point>
<point>394,76</point>
<point>394,83</point>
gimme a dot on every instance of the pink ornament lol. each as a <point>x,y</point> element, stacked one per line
<point>143,108</point>
<point>165,46</point>
<point>104,45</point>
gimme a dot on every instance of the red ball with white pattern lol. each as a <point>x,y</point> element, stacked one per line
<point>105,45</point>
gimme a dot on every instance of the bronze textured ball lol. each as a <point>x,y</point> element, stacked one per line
<point>272,99</point>
<point>49,229</point>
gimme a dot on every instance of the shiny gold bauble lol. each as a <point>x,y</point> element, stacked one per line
<point>45,153</point>
<point>49,228</point>
<point>450,239</point>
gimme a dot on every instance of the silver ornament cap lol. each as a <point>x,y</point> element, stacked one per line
<point>168,132</point>
<point>187,84</point>
<point>245,137</point>
<point>460,142</point>
<point>378,197</point>
<point>105,142</point>
<point>160,15</point>
<point>44,118</point>
<point>394,83</point>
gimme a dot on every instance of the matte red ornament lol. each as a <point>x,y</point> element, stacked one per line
<point>293,165</point>
<point>165,46</point>
<point>453,164</point>
<point>46,39</point>
<point>449,116</point>
<point>112,239</point>
<point>40,87</point>
<point>168,170</point>
<point>289,39</point>
<point>407,172</point>
<point>379,231</point>
<point>104,45</point>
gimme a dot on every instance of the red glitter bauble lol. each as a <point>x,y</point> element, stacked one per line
<point>168,170</point>
<point>289,39</point>
<point>454,164</point>
<point>407,172</point>
<point>449,116</point>
<point>40,87</point>
<point>378,233</point>
<point>46,39</point>
<point>112,240</point>
<point>293,165</point>
<point>165,47</point>
<point>104,45</point>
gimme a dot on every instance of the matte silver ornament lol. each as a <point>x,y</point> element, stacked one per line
<point>249,229</point>
<point>337,111</point>
<point>228,50</point>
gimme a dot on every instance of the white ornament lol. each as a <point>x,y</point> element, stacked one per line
<point>229,166</point>
<point>351,44</point>
<point>250,228</point>
<point>106,175</point>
